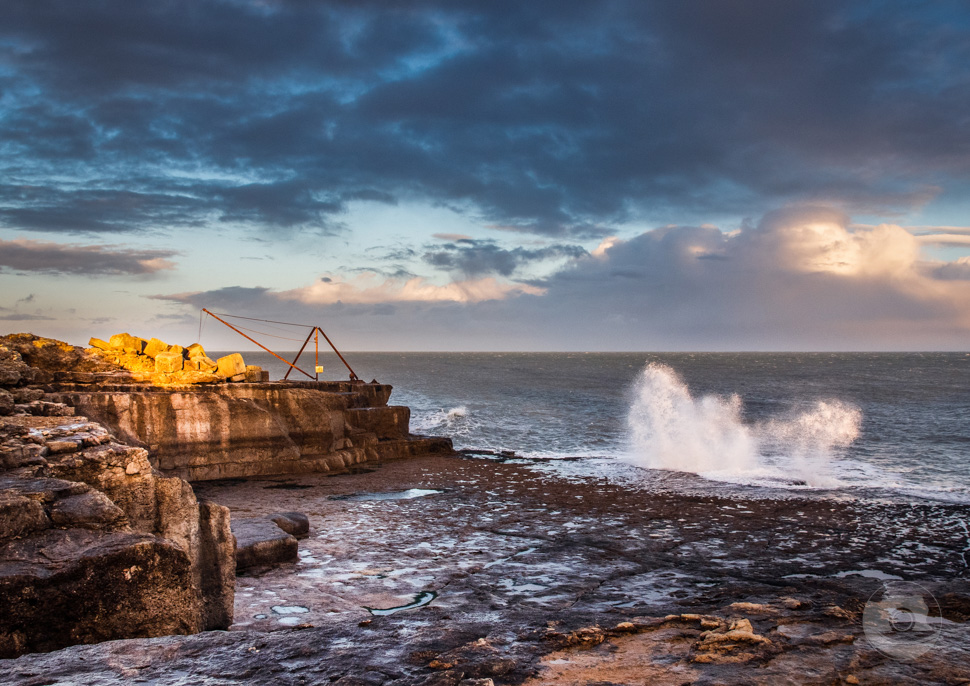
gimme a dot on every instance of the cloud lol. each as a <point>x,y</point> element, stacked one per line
<point>959,269</point>
<point>25,255</point>
<point>364,289</point>
<point>798,279</point>
<point>371,289</point>
<point>475,258</point>
<point>802,278</point>
<point>18,317</point>
<point>944,239</point>
<point>560,119</point>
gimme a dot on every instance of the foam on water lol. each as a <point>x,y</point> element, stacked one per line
<point>671,429</point>
<point>440,420</point>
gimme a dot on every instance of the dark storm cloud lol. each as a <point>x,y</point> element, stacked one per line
<point>547,117</point>
<point>475,258</point>
<point>55,258</point>
<point>25,318</point>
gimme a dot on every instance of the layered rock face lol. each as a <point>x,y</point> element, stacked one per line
<point>237,430</point>
<point>95,543</point>
<point>207,431</point>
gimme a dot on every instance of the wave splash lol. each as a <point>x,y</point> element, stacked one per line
<point>441,420</point>
<point>670,429</point>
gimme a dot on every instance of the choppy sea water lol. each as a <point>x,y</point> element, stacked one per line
<point>840,425</point>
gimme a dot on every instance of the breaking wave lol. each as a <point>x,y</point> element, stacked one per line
<point>440,420</point>
<point>670,429</point>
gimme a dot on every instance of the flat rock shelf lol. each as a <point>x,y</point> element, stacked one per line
<point>532,577</point>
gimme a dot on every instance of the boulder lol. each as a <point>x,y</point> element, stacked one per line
<point>62,587</point>
<point>99,344</point>
<point>156,346</point>
<point>231,365</point>
<point>195,350</point>
<point>254,374</point>
<point>7,402</point>
<point>127,343</point>
<point>294,523</point>
<point>260,542</point>
<point>168,362</point>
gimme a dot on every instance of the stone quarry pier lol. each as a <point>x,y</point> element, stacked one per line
<point>218,431</point>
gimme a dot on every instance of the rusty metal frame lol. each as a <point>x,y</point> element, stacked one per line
<point>314,329</point>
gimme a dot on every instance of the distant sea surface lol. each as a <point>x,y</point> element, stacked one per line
<point>884,426</point>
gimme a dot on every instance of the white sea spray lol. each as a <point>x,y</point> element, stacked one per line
<point>671,429</point>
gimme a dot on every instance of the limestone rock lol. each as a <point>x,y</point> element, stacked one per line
<point>201,364</point>
<point>91,510</point>
<point>294,523</point>
<point>6,402</point>
<point>99,344</point>
<point>189,376</point>
<point>195,350</point>
<point>92,586</point>
<point>127,343</point>
<point>168,362</point>
<point>20,515</point>
<point>254,373</point>
<point>260,542</point>
<point>27,395</point>
<point>40,358</point>
<point>155,346</point>
<point>217,565</point>
<point>231,365</point>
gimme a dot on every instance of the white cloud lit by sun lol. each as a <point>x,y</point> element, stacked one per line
<point>370,288</point>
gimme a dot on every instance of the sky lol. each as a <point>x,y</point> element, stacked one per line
<point>625,175</point>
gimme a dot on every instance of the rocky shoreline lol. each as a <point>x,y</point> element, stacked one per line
<point>537,578</point>
<point>101,534</point>
<point>354,567</point>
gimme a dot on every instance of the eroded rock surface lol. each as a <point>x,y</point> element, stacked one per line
<point>94,542</point>
<point>518,575</point>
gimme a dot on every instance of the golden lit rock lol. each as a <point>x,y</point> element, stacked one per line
<point>231,365</point>
<point>168,362</point>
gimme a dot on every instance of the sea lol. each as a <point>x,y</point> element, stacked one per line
<point>883,426</point>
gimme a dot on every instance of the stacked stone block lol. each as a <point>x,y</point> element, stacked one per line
<point>165,364</point>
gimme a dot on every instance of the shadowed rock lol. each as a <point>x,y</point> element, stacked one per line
<point>294,523</point>
<point>260,542</point>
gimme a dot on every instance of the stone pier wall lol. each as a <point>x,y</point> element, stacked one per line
<point>207,432</point>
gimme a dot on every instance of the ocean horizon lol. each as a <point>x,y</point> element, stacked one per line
<point>875,425</point>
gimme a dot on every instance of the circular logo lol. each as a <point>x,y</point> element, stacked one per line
<point>905,623</point>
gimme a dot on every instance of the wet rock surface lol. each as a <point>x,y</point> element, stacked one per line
<point>544,579</point>
<point>261,542</point>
